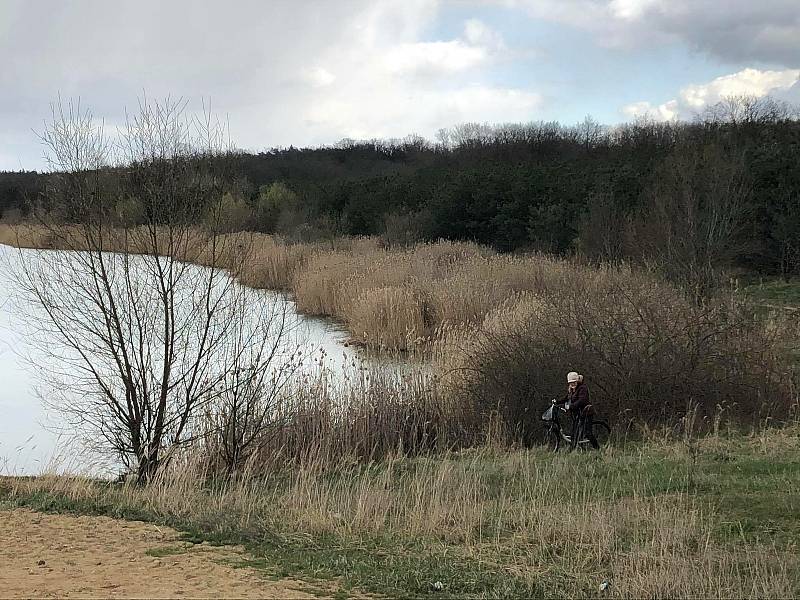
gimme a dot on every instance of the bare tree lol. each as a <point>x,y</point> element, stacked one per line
<point>785,230</point>
<point>140,338</point>
<point>590,132</point>
<point>694,214</point>
<point>253,399</point>
<point>741,109</point>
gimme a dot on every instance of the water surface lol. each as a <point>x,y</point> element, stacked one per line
<point>32,439</point>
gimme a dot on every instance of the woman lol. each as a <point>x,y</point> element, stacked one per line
<point>577,402</point>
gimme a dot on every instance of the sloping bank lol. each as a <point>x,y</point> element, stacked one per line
<point>503,329</point>
<point>701,517</point>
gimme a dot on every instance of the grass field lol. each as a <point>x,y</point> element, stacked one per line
<point>776,292</point>
<point>717,516</point>
<point>667,516</point>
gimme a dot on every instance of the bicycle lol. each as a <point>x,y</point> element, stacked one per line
<point>554,434</point>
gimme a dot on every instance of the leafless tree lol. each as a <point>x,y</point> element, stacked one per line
<point>139,338</point>
<point>741,109</point>
<point>252,399</point>
<point>590,132</point>
<point>694,214</point>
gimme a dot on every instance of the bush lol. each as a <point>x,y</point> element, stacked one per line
<point>371,415</point>
<point>646,350</point>
<point>231,214</point>
<point>278,209</point>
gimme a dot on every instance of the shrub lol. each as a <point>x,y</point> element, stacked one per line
<point>231,214</point>
<point>646,350</point>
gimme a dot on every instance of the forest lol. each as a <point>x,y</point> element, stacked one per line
<point>720,192</point>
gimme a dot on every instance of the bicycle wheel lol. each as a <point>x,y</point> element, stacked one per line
<point>602,431</point>
<point>551,438</point>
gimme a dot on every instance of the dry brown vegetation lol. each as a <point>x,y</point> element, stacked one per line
<point>653,520</point>
<point>648,352</point>
<point>668,518</point>
<point>370,415</point>
<point>502,329</point>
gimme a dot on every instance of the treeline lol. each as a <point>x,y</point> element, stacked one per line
<point>17,190</point>
<point>695,197</point>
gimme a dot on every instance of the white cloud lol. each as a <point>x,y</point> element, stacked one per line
<point>432,57</point>
<point>283,72</point>
<point>478,46</point>
<point>578,13</point>
<point>630,9</point>
<point>764,31</point>
<point>389,87</point>
<point>318,77</point>
<point>393,115</point>
<point>693,98</point>
<point>477,33</point>
<point>747,82</point>
<point>668,111</point>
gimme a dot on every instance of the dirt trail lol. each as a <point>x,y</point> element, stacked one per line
<point>64,556</point>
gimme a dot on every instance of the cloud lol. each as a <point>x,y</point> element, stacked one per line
<point>318,77</point>
<point>790,94</point>
<point>390,114</point>
<point>478,46</point>
<point>765,31</point>
<point>630,9</point>
<point>734,31</point>
<point>390,88</point>
<point>283,72</point>
<point>434,57</point>
<point>668,111</point>
<point>477,33</point>
<point>694,98</point>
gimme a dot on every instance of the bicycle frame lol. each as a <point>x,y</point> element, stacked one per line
<point>556,424</point>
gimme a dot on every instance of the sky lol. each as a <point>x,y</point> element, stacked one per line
<point>312,72</point>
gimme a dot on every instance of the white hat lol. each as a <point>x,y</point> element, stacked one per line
<point>573,377</point>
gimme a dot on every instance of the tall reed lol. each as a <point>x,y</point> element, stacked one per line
<point>509,327</point>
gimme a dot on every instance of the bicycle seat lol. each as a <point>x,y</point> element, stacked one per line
<point>587,410</point>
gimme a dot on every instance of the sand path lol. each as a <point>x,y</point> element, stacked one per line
<point>65,556</point>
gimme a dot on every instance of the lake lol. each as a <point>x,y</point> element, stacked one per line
<point>30,442</point>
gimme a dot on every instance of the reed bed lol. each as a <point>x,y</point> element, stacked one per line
<point>367,415</point>
<point>406,299</point>
<point>502,330</point>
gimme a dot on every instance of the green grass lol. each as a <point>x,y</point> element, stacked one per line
<point>383,565</point>
<point>748,486</point>
<point>163,551</point>
<point>775,291</point>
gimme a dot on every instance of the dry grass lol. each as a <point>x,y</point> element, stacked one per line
<point>508,327</point>
<point>407,299</point>
<point>137,240</point>
<point>25,236</point>
<point>647,351</point>
<point>272,264</point>
<point>564,524</point>
<point>355,417</point>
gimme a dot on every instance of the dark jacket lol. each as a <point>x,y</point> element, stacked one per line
<point>579,399</point>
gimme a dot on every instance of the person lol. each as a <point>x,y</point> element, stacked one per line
<point>578,404</point>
